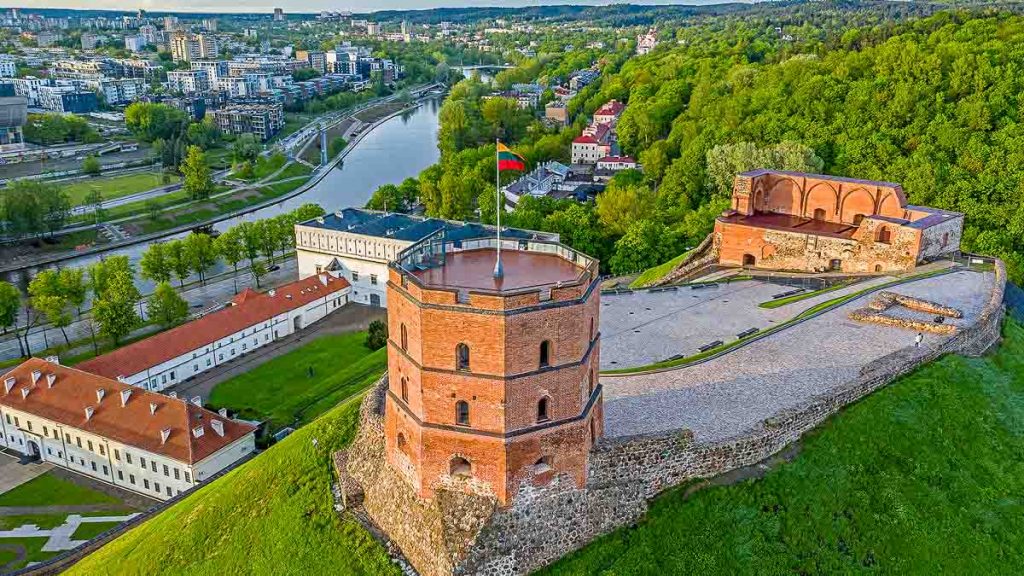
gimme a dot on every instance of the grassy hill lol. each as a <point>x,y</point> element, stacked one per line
<point>273,515</point>
<point>923,477</point>
<point>282,390</point>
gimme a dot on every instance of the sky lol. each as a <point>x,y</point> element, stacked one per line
<point>221,6</point>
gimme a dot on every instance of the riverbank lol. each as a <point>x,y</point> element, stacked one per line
<point>421,95</point>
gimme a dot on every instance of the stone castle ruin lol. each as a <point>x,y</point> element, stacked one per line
<point>483,451</point>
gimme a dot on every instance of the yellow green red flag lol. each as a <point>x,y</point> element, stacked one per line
<point>509,160</point>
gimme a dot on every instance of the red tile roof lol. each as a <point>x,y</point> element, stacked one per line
<point>585,140</point>
<point>622,159</point>
<point>132,423</point>
<point>610,108</point>
<point>249,308</point>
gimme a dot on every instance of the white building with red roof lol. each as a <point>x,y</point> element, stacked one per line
<point>588,150</point>
<point>252,320</point>
<point>609,113</point>
<point>114,432</point>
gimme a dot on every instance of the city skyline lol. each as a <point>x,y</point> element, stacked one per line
<point>314,6</point>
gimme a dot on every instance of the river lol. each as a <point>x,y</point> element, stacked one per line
<point>397,149</point>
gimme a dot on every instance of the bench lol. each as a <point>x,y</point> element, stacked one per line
<point>710,345</point>
<point>746,333</point>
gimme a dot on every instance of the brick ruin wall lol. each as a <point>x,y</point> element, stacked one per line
<point>461,533</point>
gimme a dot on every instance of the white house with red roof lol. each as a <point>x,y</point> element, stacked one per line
<point>114,432</point>
<point>616,163</point>
<point>589,149</point>
<point>609,113</point>
<point>252,320</point>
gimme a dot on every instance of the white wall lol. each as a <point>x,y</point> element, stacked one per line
<point>215,353</point>
<point>111,461</point>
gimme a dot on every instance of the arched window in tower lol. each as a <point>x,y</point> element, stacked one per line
<point>819,213</point>
<point>542,410</point>
<point>545,353</point>
<point>460,467</point>
<point>884,236</point>
<point>462,413</point>
<point>405,338</point>
<point>462,356</point>
<point>591,330</point>
<point>405,390</point>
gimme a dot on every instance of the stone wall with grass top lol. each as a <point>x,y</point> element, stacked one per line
<point>459,532</point>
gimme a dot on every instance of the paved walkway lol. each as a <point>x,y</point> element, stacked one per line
<point>350,318</point>
<point>13,474</point>
<point>646,327</point>
<point>59,538</point>
<point>733,393</point>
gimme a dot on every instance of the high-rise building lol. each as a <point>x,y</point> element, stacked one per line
<point>210,24</point>
<point>492,378</point>
<point>186,47</point>
<point>278,15</point>
<point>134,43</point>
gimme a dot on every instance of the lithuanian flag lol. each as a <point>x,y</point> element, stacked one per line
<point>509,160</point>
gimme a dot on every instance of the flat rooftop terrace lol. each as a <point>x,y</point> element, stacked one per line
<point>474,270</point>
<point>789,223</point>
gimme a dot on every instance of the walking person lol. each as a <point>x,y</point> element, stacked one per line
<point>918,339</point>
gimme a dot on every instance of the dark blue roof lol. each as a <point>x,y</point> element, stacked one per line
<point>411,228</point>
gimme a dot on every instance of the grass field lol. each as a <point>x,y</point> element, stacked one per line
<point>51,490</point>
<point>271,516</point>
<point>114,186</point>
<point>90,530</point>
<point>656,272</point>
<point>923,477</point>
<point>282,391</point>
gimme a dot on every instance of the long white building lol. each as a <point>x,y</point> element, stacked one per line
<point>114,432</point>
<point>357,244</point>
<point>252,320</point>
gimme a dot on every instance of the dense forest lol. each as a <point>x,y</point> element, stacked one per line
<point>934,103</point>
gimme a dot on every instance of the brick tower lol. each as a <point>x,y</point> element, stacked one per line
<point>492,382</point>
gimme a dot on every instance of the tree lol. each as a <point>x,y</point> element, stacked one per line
<point>72,283</point>
<point>154,263</point>
<point>54,207</point>
<point>258,270</point>
<point>21,206</point>
<point>178,259</point>
<point>91,165</point>
<point>376,335</point>
<point>307,211</point>
<point>149,121</point>
<point>10,304</point>
<point>250,235</point>
<point>620,205</point>
<point>94,199</point>
<point>201,253</point>
<point>267,233</point>
<point>245,149</point>
<point>166,307</point>
<point>645,244</point>
<point>198,179</point>
<point>101,273</point>
<point>229,245</point>
<point>47,296</point>
<point>115,310</point>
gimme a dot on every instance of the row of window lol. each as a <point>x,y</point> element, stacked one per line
<point>462,349</point>
<point>462,409</point>
<point>167,470</point>
<point>355,278</point>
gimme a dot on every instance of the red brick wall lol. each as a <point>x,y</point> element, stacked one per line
<point>502,387</point>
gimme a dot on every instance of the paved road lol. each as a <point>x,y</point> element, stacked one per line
<point>350,318</point>
<point>735,392</point>
<point>216,291</point>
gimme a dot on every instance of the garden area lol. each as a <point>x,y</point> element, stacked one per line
<point>111,187</point>
<point>46,502</point>
<point>295,388</point>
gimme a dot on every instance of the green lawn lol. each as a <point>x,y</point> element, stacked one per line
<point>923,477</point>
<point>294,169</point>
<point>50,490</point>
<point>282,391</point>
<point>271,516</point>
<point>115,186</point>
<point>656,272</point>
<point>33,548</point>
<point>90,530</point>
<point>780,302</point>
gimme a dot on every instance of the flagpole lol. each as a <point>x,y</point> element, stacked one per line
<point>498,271</point>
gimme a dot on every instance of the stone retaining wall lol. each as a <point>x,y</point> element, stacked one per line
<point>704,255</point>
<point>455,534</point>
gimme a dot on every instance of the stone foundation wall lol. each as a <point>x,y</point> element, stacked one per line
<point>704,255</point>
<point>456,533</point>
